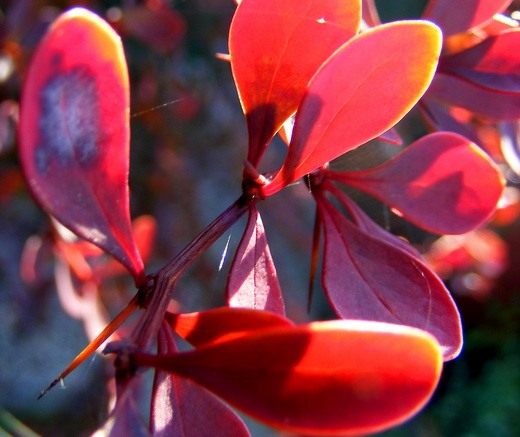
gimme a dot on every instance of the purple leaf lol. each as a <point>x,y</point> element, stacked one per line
<point>492,64</point>
<point>367,278</point>
<point>252,281</point>
<point>182,408</point>
<point>482,101</point>
<point>366,224</point>
<point>468,13</point>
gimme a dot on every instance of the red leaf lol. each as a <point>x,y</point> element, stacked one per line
<point>74,133</point>
<point>493,64</point>
<point>367,278</point>
<point>360,93</point>
<point>275,49</point>
<point>482,101</point>
<point>329,378</point>
<point>181,408</point>
<point>221,323</point>
<point>443,183</point>
<point>252,281</point>
<point>469,13</point>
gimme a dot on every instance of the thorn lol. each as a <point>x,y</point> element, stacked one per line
<point>49,388</point>
<point>93,345</point>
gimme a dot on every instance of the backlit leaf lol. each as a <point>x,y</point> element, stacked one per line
<point>360,93</point>
<point>493,64</point>
<point>181,408</point>
<point>276,47</point>
<point>443,183</point>
<point>468,13</point>
<point>74,133</point>
<point>329,378</point>
<point>220,323</point>
<point>252,281</point>
<point>367,278</point>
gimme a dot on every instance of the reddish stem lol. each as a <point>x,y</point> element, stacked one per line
<point>164,280</point>
<point>94,344</point>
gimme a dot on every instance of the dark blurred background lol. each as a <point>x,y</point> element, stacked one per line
<point>188,145</point>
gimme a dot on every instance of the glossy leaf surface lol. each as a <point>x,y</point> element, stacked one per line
<point>331,378</point>
<point>360,93</point>
<point>493,64</point>
<point>252,281</point>
<point>482,101</point>
<point>443,183</point>
<point>220,323</point>
<point>468,13</point>
<point>74,133</point>
<point>181,408</point>
<point>276,47</point>
<point>367,278</point>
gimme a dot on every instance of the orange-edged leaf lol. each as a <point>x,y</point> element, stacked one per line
<point>360,93</point>
<point>328,378</point>
<point>469,13</point>
<point>221,323</point>
<point>74,133</point>
<point>181,408</point>
<point>252,281</point>
<point>366,277</point>
<point>493,64</point>
<point>482,101</point>
<point>443,183</point>
<point>276,47</point>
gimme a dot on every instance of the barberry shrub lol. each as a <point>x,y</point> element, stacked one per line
<point>309,71</point>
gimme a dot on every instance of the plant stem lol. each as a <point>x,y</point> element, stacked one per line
<point>164,280</point>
